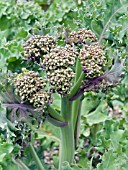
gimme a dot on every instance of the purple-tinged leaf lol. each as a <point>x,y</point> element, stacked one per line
<point>110,77</point>
<point>21,106</point>
<point>113,75</point>
<point>92,83</point>
<point>13,114</point>
<point>88,86</point>
<point>22,113</point>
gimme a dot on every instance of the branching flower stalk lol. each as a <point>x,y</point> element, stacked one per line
<point>70,70</point>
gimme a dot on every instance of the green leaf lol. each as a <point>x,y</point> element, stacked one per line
<point>13,166</point>
<point>99,115</point>
<point>66,166</point>
<point>4,23</point>
<point>96,27</point>
<point>116,137</point>
<point>88,104</point>
<point>22,33</point>
<point>50,132</point>
<point>108,161</point>
<point>5,150</point>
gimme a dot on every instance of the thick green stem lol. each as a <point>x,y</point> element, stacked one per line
<point>35,157</point>
<point>67,134</point>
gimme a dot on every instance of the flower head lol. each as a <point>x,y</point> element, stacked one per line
<point>61,80</point>
<point>37,46</point>
<point>31,88</point>
<point>59,57</point>
<point>82,36</point>
<point>93,60</point>
<point>41,98</point>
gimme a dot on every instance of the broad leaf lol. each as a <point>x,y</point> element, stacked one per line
<point>99,115</point>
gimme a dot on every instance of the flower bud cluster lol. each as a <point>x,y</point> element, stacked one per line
<point>48,156</point>
<point>61,80</point>
<point>58,65</point>
<point>58,62</point>
<point>41,98</point>
<point>82,36</point>
<point>59,57</point>
<point>29,87</point>
<point>37,46</point>
<point>93,60</point>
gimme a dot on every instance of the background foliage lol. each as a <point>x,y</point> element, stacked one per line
<point>103,143</point>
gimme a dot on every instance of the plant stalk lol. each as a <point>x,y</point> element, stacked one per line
<point>20,164</point>
<point>67,134</point>
<point>76,104</point>
<point>77,85</point>
<point>77,127</point>
<point>35,157</point>
<point>94,130</point>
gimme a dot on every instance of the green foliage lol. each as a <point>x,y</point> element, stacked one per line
<point>7,150</point>
<point>113,140</point>
<point>18,20</point>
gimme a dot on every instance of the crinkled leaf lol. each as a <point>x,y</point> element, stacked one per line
<point>5,150</point>
<point>108,161</point>
<point>116,137</point>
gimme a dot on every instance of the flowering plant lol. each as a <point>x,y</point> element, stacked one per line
<point>79,65</point>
